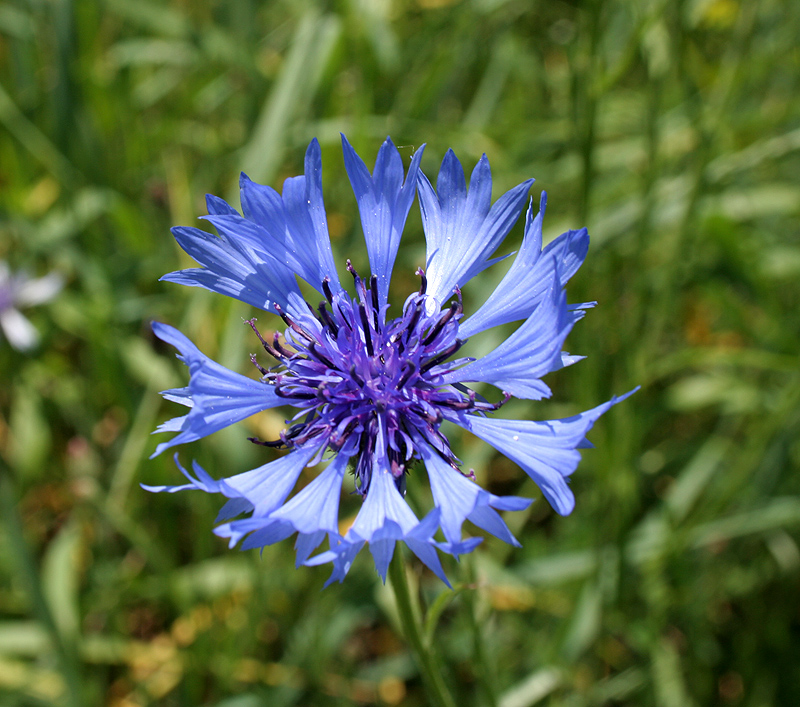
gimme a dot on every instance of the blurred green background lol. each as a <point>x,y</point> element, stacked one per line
<point>670,129</point>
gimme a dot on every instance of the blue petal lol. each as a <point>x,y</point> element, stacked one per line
<point>235,228</point>
<point>526,281</point>
<point>268,486</point>
<point>461,229</point>
<point>461,548</point>
<point>233,508</point>
<point>341,554</point>
<point>306,223</point>
<point>262,205</point>
<point>202,482</point>
<point>420,541</point>
<point>261,531</point>
<point>296,222</point>
<point>532,351</point>
<point>183,396</point>
<point>217,206</point>
<point>234,267</point>
<point>316,508</point>
<point>384,201</point>
<point>386,518</point>
<point>219,396</point>
<point>267,534</point>
<point>382,504</point>
<point>546,451</point>
<point>305,544</point>
<point>459,499</point>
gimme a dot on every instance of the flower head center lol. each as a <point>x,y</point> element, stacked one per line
<point>366,385</point>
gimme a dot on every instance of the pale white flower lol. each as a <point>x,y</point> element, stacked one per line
<point>17,290</point>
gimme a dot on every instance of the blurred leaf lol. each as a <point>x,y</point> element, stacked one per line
<point>308,56</point>
<point>618,687</point>
<point>15,22</point>
<point>668,680</point>
<point>147,367</point>
<point>532,689</point>
<point>35,141</point>
<point>374,15</point>
<point>778,513</point>
<point>730,392</point>
<point>31,440</point>
<point>62,223</point>
<point>756,201</point>
<point>559,568</point>
<point>214,577</point>
<point>584,624</point>
<point>694,478</point>
<point>23,638</point>
<point>152,16</point>
<point>768,148</point>
<point>242,701</point>
<point>60,579</point>
<point>138,52</point>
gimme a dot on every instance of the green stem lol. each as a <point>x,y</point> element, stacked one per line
<point>411,625</point>
<point>483,669</point>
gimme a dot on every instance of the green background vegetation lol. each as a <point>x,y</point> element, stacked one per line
<point>671,129</point>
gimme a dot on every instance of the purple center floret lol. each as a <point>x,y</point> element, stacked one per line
<point>366,382</point>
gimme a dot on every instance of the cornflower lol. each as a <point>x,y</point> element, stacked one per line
<point>371,390</point>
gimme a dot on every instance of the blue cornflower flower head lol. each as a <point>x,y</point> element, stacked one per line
<point>372,390</point>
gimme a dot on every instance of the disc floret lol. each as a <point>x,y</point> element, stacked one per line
<point>353,374</point>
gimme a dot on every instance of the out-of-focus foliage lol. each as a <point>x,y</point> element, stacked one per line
<point>670,129</point>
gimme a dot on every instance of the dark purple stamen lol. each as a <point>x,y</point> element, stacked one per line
<point>326,289</point>
<point>423,281</point>
<point>255,362</point>
<point>276,444</point>
<point>362,380</point>
<point>327,319</point>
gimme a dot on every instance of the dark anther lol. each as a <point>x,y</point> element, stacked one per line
<point>414,318</point>
<point>326,289</point>
<point>294,396</point>
<point>293,325</point>
<point>267,347</point>
<point>408,370</point>
<point>280,348</point>
<point>437,328</point>
<point>263,371</point>
<point>357,378</point>
<point>373,286</point>
<point>423,281</point>
<point>443,356</point>
<point>321,356</point>
<point>327,319</point>
<point>365,324</point>
<point>361,288</point>
<point>276,444</point>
